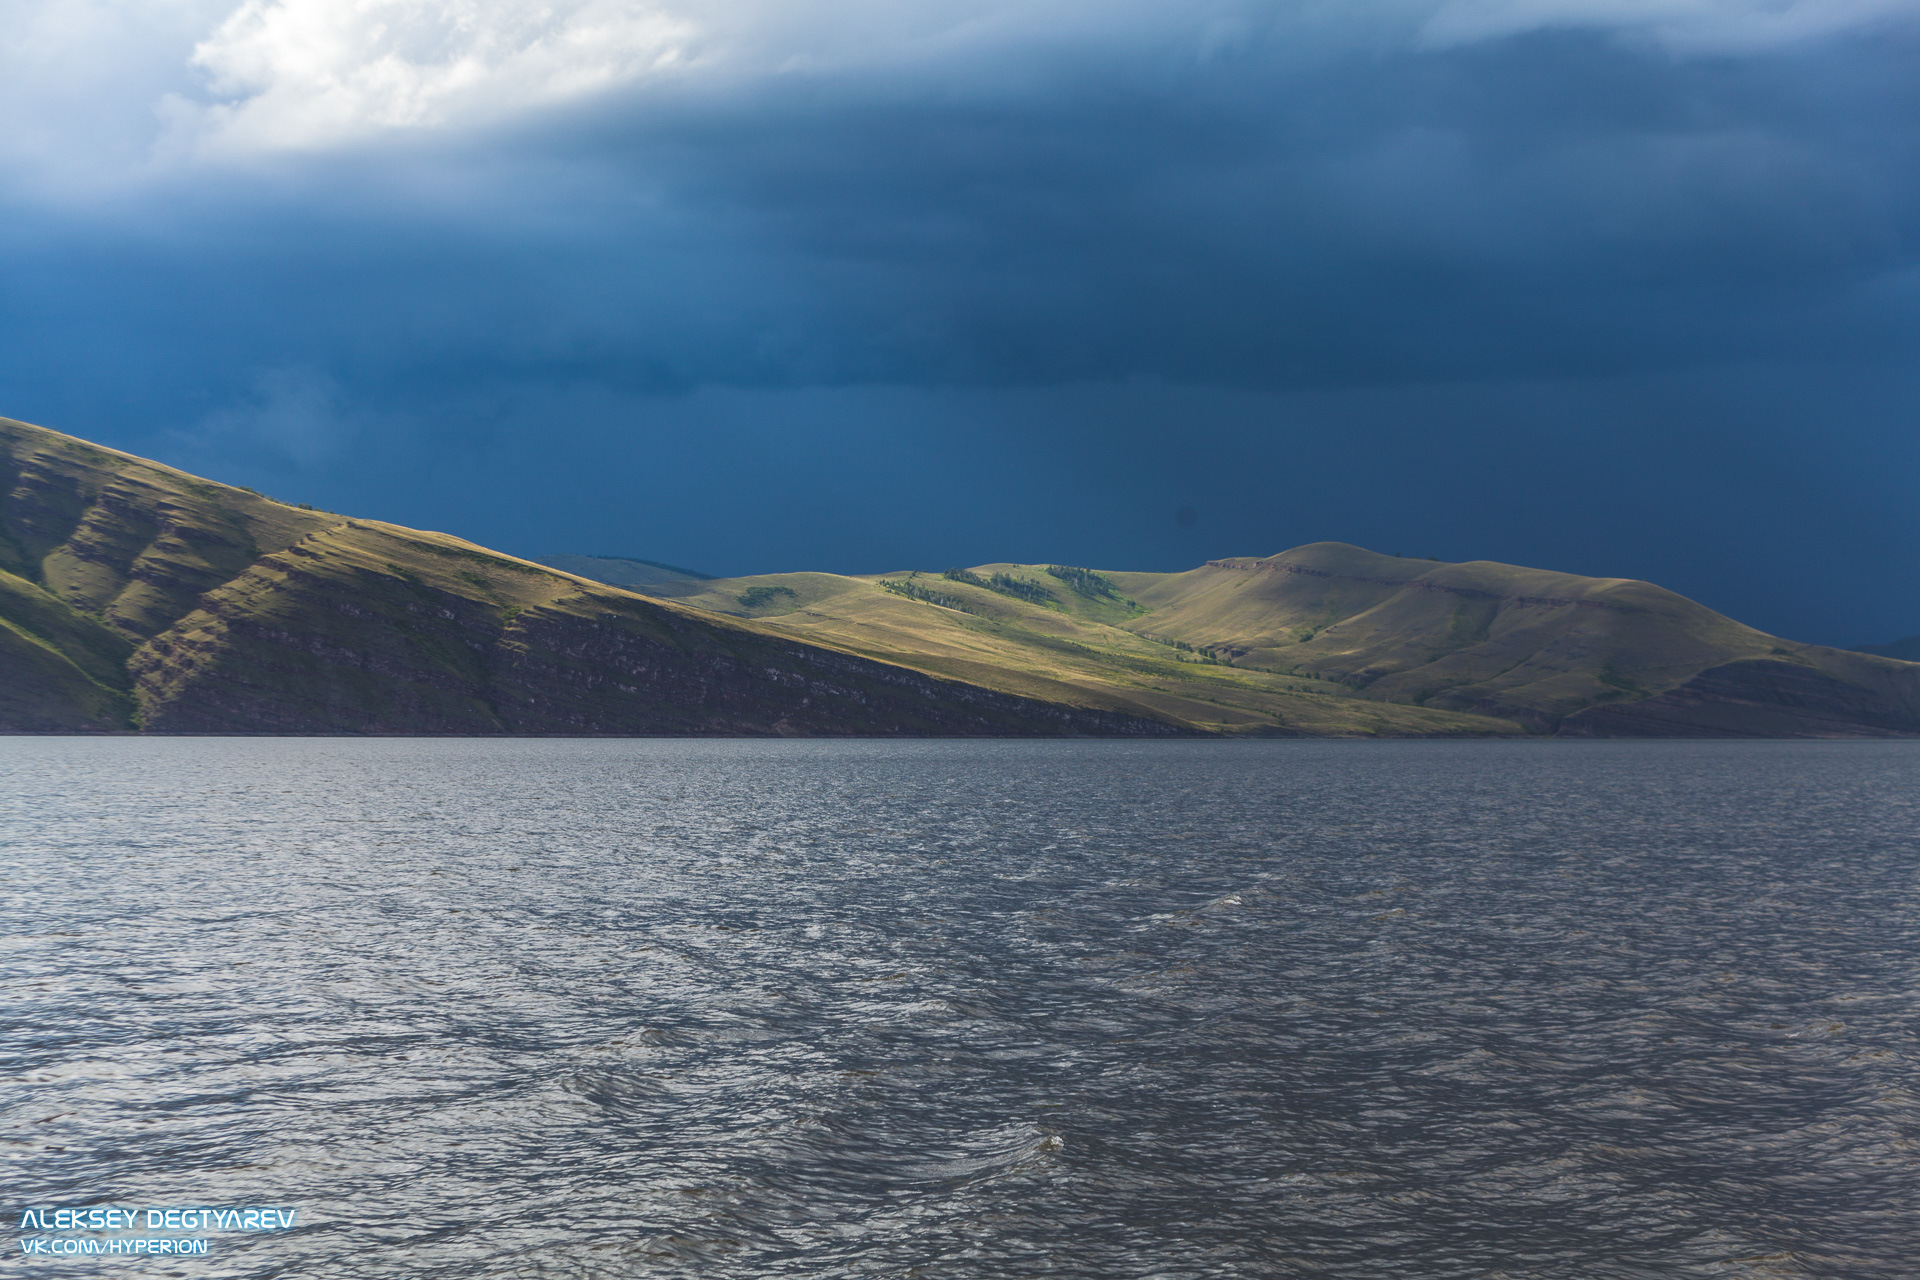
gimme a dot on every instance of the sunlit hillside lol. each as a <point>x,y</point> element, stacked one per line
<point>135,596</point>
<point>1334,639</point>
<point>1023,629</point>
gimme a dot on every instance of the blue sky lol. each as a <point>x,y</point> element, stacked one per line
<point>1623,287</point>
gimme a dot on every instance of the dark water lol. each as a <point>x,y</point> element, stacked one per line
<point>978,1009</point>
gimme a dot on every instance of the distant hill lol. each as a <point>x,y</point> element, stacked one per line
<point>1334,639</point>
<point>1022,629</point>
<point>623,571</point>
<point>134,596</point>
<point>1555,651</point>
<point>1907,650</point>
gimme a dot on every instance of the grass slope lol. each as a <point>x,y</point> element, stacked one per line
<point>1337,640</point>
<point>1021,629</point>
<point>100,551</point>
<point>1497,639</point>
<point>136,596</point>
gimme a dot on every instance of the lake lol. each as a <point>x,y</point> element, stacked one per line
<point>584,1008</point>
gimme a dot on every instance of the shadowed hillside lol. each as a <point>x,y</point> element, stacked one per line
<point>136,596</point>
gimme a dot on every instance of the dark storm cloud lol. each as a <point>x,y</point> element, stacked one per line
<point>445,309</point>
<point>1554,203</point>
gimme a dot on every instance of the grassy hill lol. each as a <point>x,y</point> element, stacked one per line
<point>1333,639</point>
<point>137,597</point>
<point>134,596</point>
<point>1495,639</point>
<point>1023,629</point>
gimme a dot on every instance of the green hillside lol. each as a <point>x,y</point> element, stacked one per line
<point>134,596</point>
<point>1033,633</point>
<point>1496,639</point>
<point>1333,639</point>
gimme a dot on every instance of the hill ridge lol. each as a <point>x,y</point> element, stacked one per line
<point>1421,583</point>
<point>135,596</point>
<point>1331,638</point>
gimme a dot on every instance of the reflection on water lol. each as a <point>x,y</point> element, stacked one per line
<point>944,1009</point>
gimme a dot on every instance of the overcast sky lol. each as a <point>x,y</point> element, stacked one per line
<point>1622,287</point>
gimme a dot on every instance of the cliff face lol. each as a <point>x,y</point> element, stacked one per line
<point>135,596</point>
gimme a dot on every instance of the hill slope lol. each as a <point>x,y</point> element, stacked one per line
<point>1022,629</point>
<point>1333,639</point>
<point>1555,651</point>
<point>133,595</point>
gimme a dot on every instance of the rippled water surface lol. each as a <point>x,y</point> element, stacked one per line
<point>972,1009</point>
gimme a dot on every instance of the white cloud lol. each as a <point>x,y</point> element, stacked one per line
<point>79,79</point>
<point>113,83</point>
<point>293,74</point>
<point>298,74</point>
<point>307,73</point>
